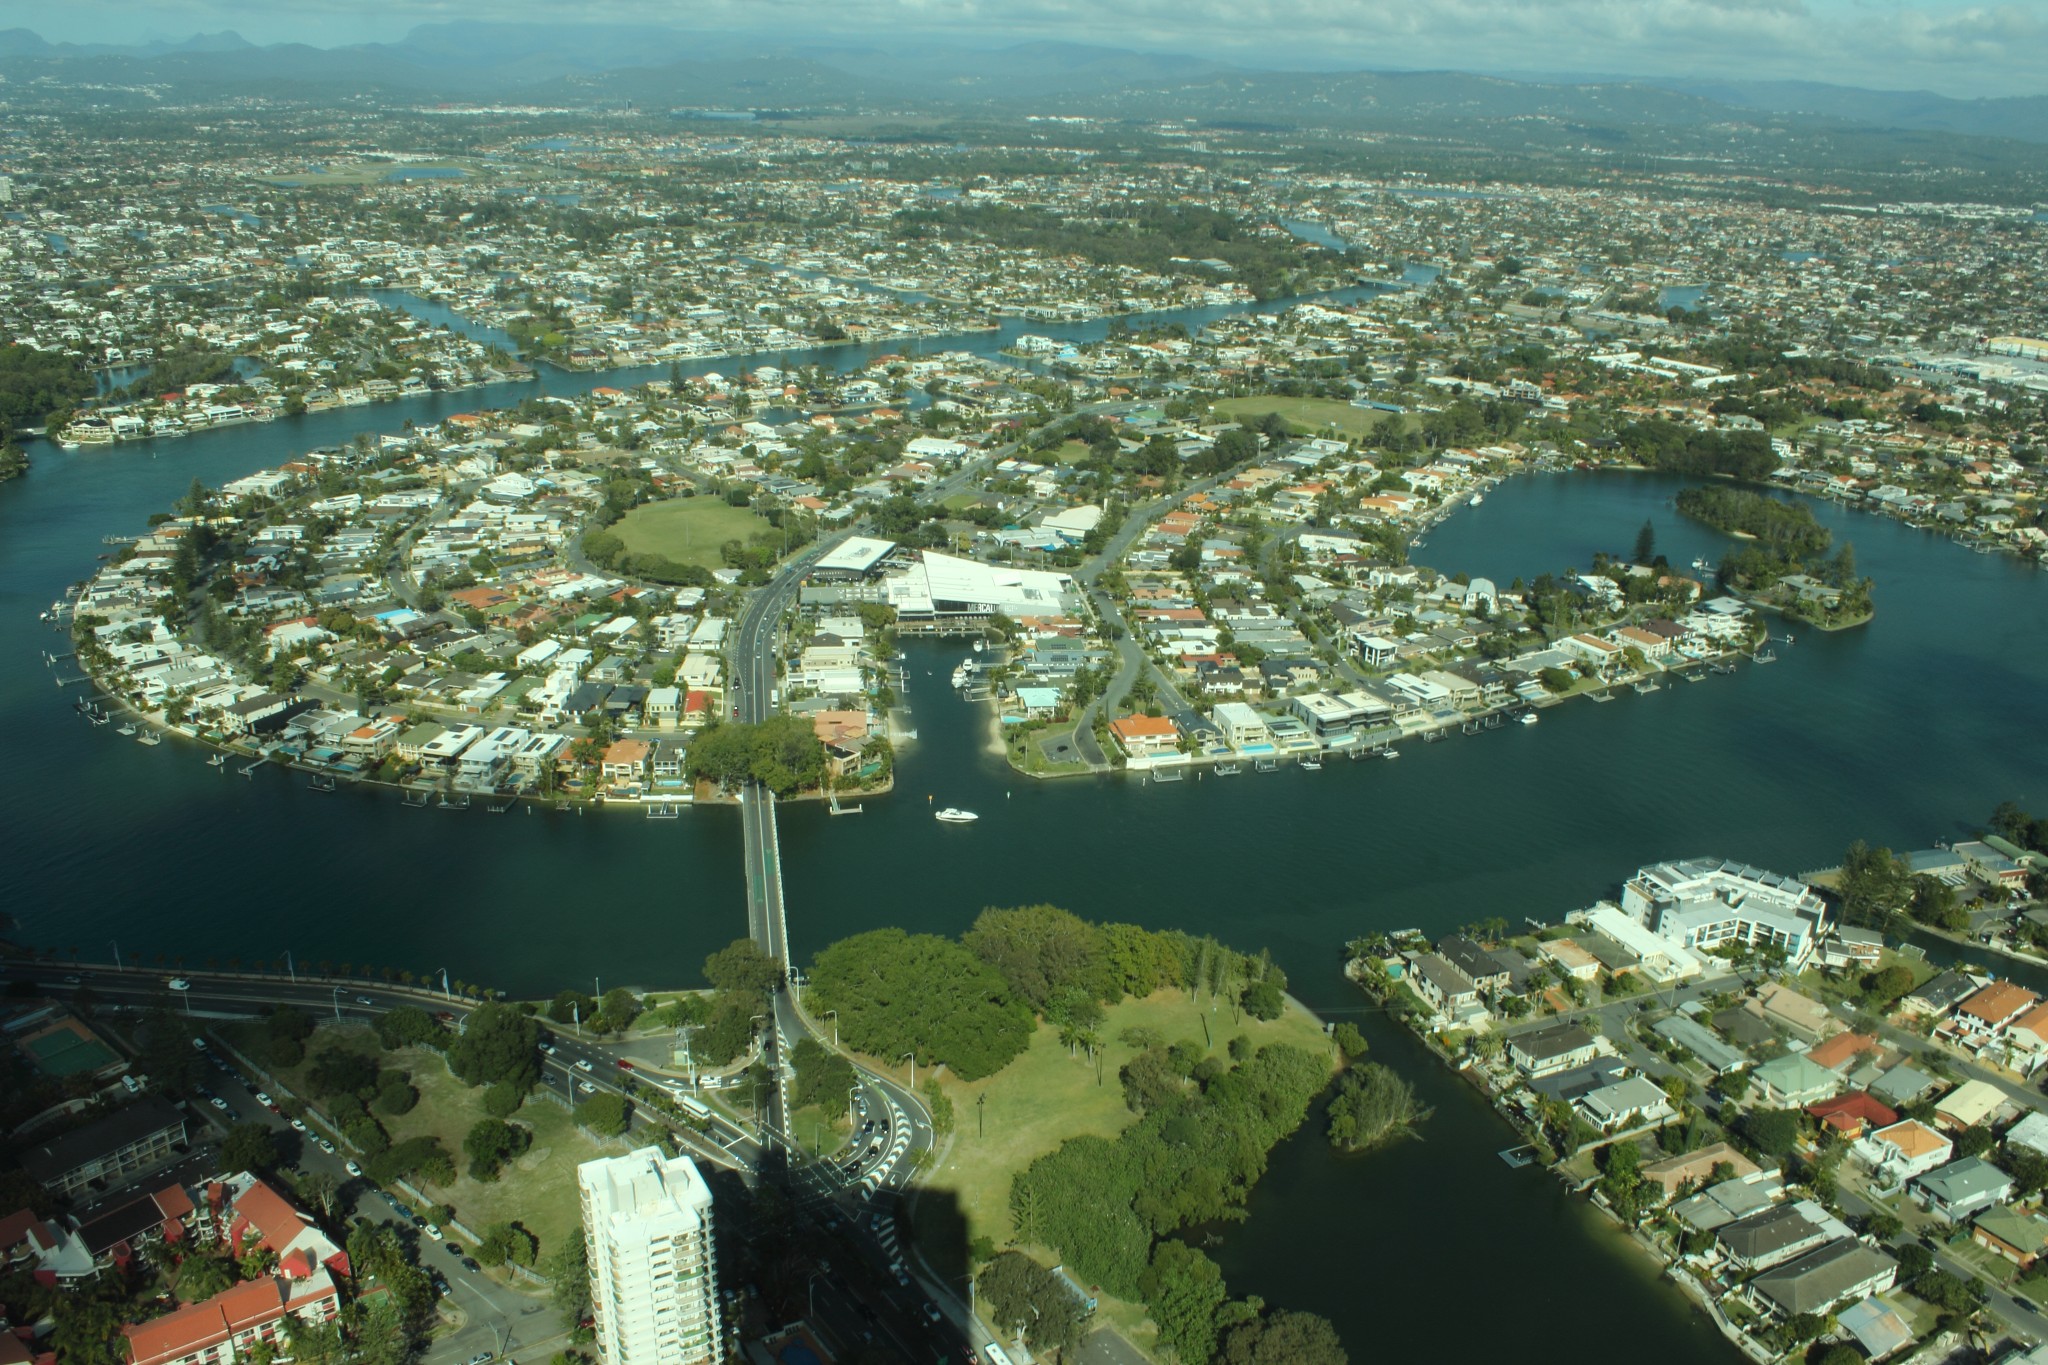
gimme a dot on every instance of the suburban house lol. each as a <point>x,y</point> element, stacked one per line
<point>2019,1237</point>
<point>1625,1103</point>
<point>1970,1104</point>
<point>1903,1151</point>
<point>1555,1047</point>
<point>1775,1235</point>
<point>1143,736</point>
<point>625,762</point>
<point>1443,987</point>
<point>1957,1191</point>
<point>1690,1168</point>
<point>1850,1116</point>
<point>1821,1279</point>
<point>1793,1081</point>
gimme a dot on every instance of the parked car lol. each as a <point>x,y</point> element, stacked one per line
<point>218,1103</point>
<point>352,1169</point>
<point>433,1232</point>
<point>325,1146</point>
<point>263,1099</point>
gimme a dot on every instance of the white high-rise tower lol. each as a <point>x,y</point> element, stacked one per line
<point>653,1270</point>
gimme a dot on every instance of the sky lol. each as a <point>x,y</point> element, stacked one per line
<point>1954,48</point>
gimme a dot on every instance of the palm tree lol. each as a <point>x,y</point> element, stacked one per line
<point>406,977</point>
<point>234,964</point>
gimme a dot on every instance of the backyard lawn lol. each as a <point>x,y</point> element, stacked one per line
<point>688,530</point>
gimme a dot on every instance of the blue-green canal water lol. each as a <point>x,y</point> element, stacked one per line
<point>1902,732</point>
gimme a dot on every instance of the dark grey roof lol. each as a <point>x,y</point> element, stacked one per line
<point>102,1137</point>
<point>1774,1229</point>
<point>1946,991</point>
<point>1819,1278</point>
<point>123,1224</point>
<point>1552,1040</point>
<point>1471,959</point>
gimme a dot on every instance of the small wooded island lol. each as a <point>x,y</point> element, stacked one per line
<point>1786,564</point>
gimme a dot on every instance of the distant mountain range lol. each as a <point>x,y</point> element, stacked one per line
<point>663,67</point>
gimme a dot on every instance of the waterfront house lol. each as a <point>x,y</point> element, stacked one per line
<point>1776,1235</point>
<point>1735,1197</point>
<point>1940,994</point>
<point>1991,867</point>
<point>1673,1173</point>
<point>1823,1278</point>
<point>1444,988</point>
<point>1625,1103</point>
<point>1792,1081</point>
<point>2019,1237</point>
<point>1550,1049</point>
<point>625,762</point>
<point>1487,971</point>
<point>1959,1190</point>
<point>1569,958</point>
<point>1144,736</point>
<point>1903,1151</point>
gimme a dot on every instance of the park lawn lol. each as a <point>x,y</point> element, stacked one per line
<point>688,530</point>
<point>1308,415</point>
<point>961,502</point>
<point>1006,1121</point>
<point>1071,452</point>
<point>538,1190</point>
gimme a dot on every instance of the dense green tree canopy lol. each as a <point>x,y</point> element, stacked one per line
<point>898,993</point>
<point>783,753</point>
<point>497,1043</point>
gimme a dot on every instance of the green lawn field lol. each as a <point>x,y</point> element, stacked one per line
<point>1310,416</point>
<point>688,530</point>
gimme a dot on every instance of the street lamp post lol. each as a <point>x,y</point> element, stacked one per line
<point>912,1056</point>
<point>980,1101</point>
<point>446,994</point>
<point>291,966</point>
<point>337,1004</point>
<point>117,955</point>
<point>833,1015</point>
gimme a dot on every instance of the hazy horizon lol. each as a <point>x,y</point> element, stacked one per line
<point>1954,49</point>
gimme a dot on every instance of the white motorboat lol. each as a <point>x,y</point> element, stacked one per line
<point>1526,718</point>
<point>953,815</point>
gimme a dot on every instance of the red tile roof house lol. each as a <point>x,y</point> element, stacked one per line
<point>265,1217</point>
<point>1851,1116</point>
<point>227,1326</point>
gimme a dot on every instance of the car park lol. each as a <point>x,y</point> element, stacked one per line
<point>433,1232</point>
<point>263,1099</point>
<point>325,1145</point>
<point>299,1125</point>
<point>218,1103</point>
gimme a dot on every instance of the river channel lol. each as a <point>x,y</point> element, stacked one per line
<point>1902,732</point>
